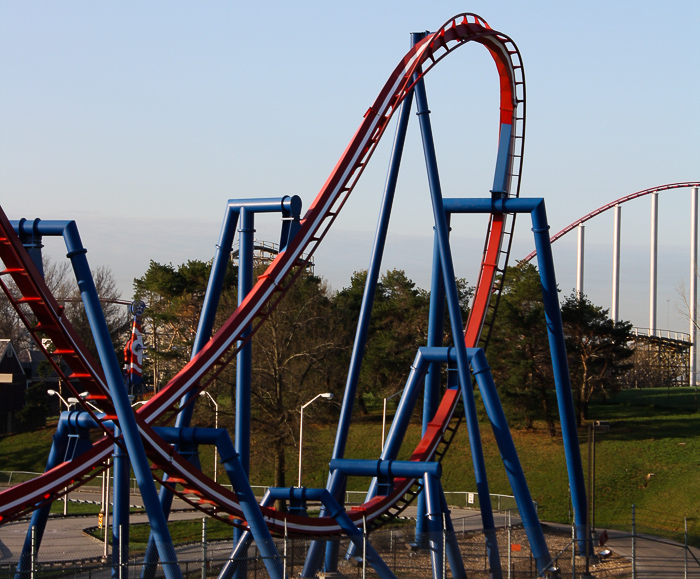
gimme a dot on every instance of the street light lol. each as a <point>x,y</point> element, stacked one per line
<point>83,397</point>
<point>328,396</point>
<point>70,401</point>
<point>216,425</point>
<point>384,415</point>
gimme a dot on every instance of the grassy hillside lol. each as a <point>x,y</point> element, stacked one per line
<point>650,458</point>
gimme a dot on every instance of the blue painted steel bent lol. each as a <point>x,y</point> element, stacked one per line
<point>431,397</point>
<point>334,486</point>
<point>457,331</point>
<point>555,331</point>
<point>234,469</point>
<point>290,207</point>
<point>76,253</point>
<point>335,510</point>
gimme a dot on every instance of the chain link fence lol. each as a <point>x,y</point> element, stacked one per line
<point>630,553</point>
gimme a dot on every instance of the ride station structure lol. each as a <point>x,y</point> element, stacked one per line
<point>142,438</point>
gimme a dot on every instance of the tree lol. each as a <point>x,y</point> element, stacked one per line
<point>598,349</point>
<point>293,355</point>
<point>398,327</point>
<point>60,281</point>
<point>174,298</point>
<point>519,350</point>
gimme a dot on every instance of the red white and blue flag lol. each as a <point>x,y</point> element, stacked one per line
<point>133,352</point>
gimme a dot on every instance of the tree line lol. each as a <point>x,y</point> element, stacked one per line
<point>304,346</point>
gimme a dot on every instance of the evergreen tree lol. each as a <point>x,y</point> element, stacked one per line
<point>398,327</point>
<point>519,350</point>
<point>599,351</point>
<point>174,297</point>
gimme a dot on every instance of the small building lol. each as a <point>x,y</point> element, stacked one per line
<point>13,387</point>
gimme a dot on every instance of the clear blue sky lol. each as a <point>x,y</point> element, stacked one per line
<point>140,119</point>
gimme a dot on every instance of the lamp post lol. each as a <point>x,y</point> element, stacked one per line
<point>384,415</point>
<point>83,397</point>
<point>67,403</point>
<point>328,396</point>
<point>216,425</point>
<point>593,427</point>
<point>599,426</point>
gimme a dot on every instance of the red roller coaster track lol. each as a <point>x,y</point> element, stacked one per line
<point>33,299</point>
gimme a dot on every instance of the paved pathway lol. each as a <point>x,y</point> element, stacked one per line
<point>65,540</point>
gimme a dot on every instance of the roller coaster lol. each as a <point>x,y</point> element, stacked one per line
<point>168,453</point>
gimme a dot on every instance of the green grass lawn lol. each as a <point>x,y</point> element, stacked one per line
<point>649,458</point>
<point>180,531</point>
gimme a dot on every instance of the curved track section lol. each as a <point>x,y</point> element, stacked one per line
<point>620,201</point>
<point>198,489</point>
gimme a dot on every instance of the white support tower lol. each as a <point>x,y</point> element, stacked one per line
<point>579,261</point>
<point>693,298</point>
<point>653,261</point>
<point>616,264</point>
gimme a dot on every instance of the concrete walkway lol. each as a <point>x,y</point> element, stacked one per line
<point>65,540</point>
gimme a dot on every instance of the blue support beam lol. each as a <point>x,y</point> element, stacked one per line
<point>335,485</point>
<point>41,515</point>
<point>110,365</point>
<point>511,462</point>
<point>239,480</point>
<point>237,558</point>
<point>243,209</point>
<point>244,359</point>
<point>555,331</point>
<point>456,324</point>
<point>120,512</point>
<point>431,397</point>
<point>337,512</point>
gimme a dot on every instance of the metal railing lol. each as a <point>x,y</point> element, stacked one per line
<point>467,499</point>
<point>665,334</point>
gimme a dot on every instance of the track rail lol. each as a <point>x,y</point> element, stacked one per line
<point>620,201</point>
<point>198,489</point>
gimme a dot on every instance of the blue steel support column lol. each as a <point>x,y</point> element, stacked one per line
<point>120,512</point>
<point>454,556</point>
<point>399,425</point>
<point>113,375</point>
<point>431,398</point>
<point>31,240</point>
<point>127,422</point>
<point>371,284</point>
<point>41,515</point>
<point>458,332</point>
<point>244,360</point>
<point>560,368</point>
<point>511,462</point>
<point>434,525</point>
<point>335,484</point>
<point>337,512</point>
<point>240,550</point>
<point>234,469</point>
<point>204,329</point>
<point>290,207</point>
